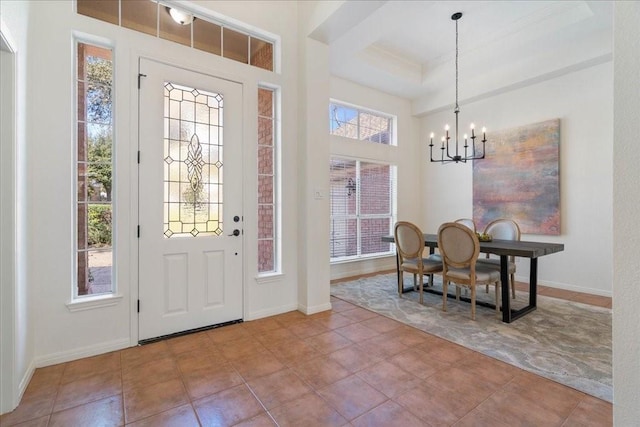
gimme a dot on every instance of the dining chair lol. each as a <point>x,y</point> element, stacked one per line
<point>410,246</point>
<point>472,225</point>
<point>468,222</point>
<point>460,247</point>
<point>503,229</point>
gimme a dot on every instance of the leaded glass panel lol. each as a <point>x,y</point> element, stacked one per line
<point>193,162</point>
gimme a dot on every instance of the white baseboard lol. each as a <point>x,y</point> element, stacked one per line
<point>79,353</point>
<point>314,309</point>
<point>24,381</point>
<point>270,312</point>
<point>566,287</point>
<point>354,268</point>
<point>22,387</point>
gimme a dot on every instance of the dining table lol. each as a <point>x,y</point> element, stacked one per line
<point>504,249</point>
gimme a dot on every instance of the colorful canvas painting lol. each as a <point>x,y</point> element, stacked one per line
<point>519,178</point>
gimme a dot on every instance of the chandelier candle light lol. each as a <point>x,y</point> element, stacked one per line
<point>458,157</point>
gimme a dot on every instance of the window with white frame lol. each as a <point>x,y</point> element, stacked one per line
<point>94,170</point>
<point>362,182</point>
<point>268,143</point>
<point>360,124</point>
<point>363,200</point>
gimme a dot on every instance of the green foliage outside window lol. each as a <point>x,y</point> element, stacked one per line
<point>99,168</point>
<point>99,225</point>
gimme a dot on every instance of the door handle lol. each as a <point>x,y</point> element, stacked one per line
<point>236,232</point>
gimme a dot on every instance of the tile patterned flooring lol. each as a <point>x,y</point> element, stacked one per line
<point>343,367</point>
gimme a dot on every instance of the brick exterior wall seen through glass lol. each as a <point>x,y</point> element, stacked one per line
<point>362,199</point>
<point>266,182</point>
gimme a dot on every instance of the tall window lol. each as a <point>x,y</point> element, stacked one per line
<point>362,208</point>
<point>94,170</point>
<point>267,182</point>
<point>363,192</point>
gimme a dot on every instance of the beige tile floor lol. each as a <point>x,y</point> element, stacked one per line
<point>347,366</point>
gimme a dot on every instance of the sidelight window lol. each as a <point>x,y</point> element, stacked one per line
<point>267,181</point>
<point>94,170</point>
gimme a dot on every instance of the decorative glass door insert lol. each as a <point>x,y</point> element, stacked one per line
<point>193,162</point>
<point>190,266</point>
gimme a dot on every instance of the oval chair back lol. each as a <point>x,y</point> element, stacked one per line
<point>460,247</point>
<point>468,222</point>
<point>504,229</point>
<point>409,241</point>
<point>410,246</point>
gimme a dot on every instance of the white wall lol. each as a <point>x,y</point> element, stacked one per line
<point>583,101</point>
<point>7,225</point>
<point>313,211</point>
<point>406,156</point>
<point>17,341</point>
<point>626,199</point>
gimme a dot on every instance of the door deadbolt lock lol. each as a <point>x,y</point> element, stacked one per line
<point>236,232</point>
<point>236,218</point>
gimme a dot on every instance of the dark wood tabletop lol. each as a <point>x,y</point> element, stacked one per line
<point>519,248</point>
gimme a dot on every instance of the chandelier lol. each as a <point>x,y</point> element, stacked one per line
<point>447,154</point>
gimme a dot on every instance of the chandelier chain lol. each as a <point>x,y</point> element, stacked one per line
<point>457,106</point>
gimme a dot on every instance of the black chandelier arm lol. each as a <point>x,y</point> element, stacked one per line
<point>446,157</point>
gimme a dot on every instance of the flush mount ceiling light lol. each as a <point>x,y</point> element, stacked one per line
<point>182,18</point>
<point>470,152</point>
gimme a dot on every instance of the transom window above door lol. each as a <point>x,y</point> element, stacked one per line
<point>200,32</point>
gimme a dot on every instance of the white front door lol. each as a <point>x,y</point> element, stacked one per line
<point>190,200</point>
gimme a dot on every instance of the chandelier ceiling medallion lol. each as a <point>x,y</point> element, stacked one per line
<point>447,154</point>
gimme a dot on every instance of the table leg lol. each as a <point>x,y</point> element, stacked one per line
<point>504,282</point>
<point>533,282</point>
<point>533,291</point>
<point>400,287</point>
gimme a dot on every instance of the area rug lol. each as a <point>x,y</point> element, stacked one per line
<point>564,341</point>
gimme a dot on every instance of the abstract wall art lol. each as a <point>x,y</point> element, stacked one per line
<point>519,178</point>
